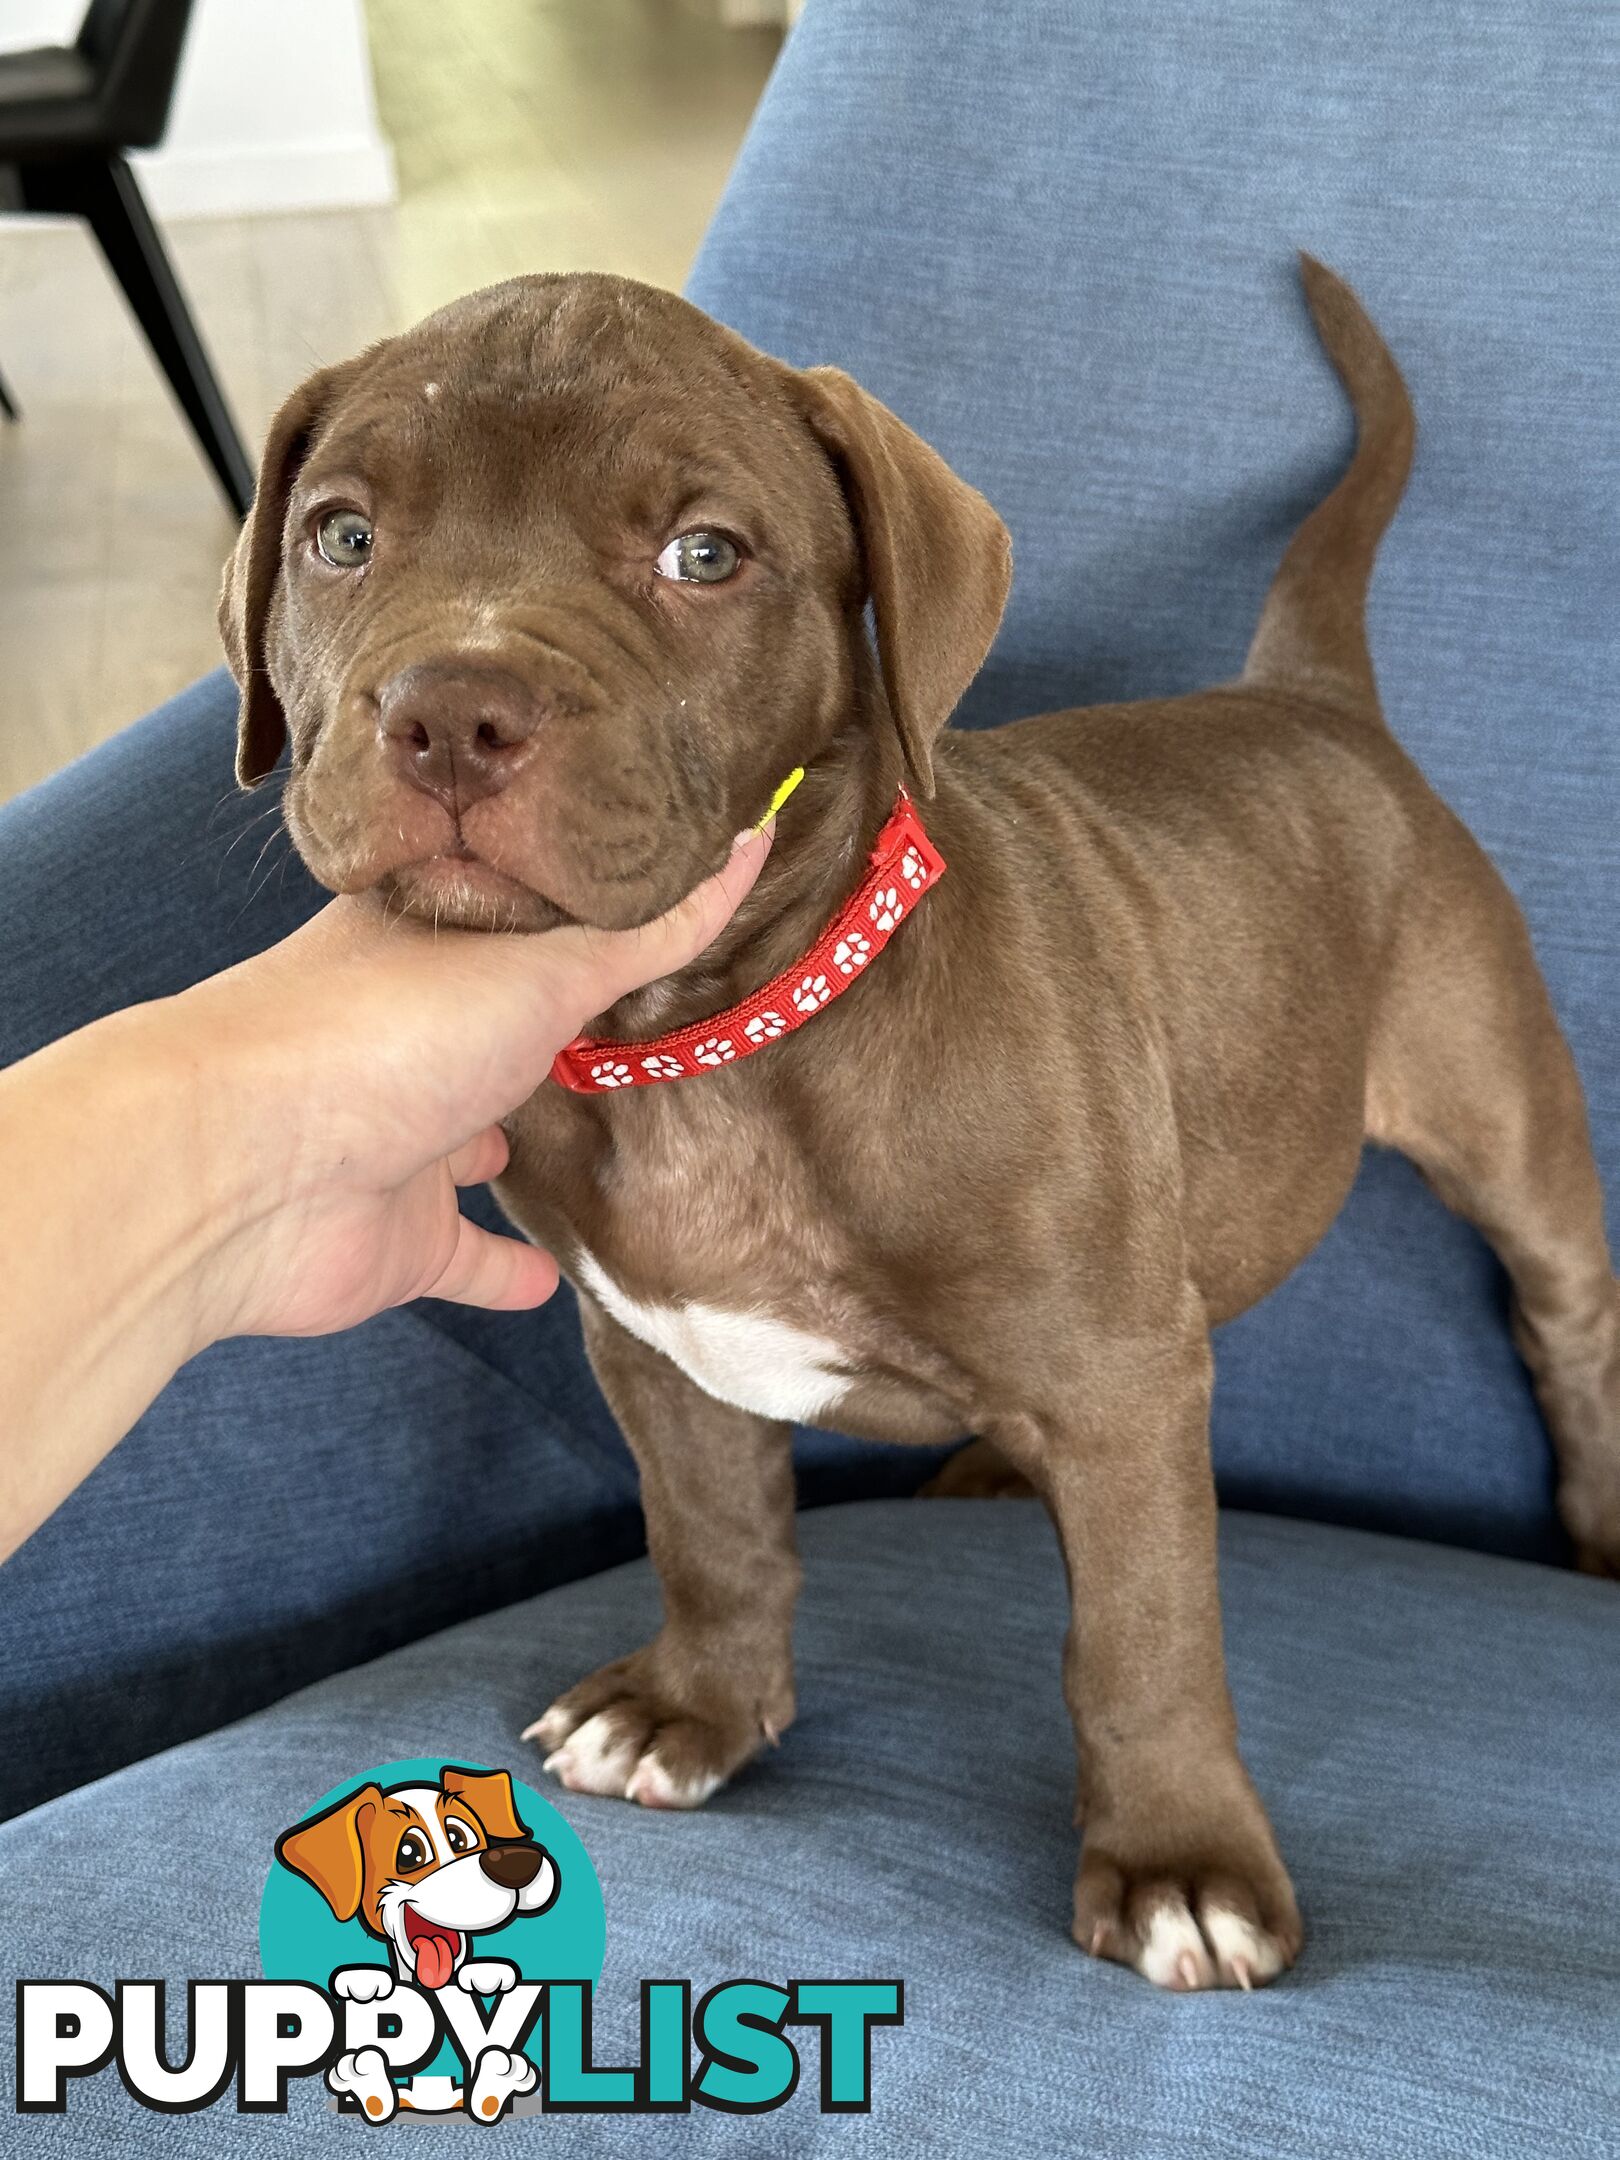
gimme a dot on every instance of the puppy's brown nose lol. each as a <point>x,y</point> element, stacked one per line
<point>454,730</point>
<point>512,1866</point>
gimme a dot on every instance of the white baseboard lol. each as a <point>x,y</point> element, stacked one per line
<point>197,181</point>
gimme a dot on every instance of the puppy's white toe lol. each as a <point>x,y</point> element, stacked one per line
<point>1173,1953</point>
<point>1246,1957</point>
<point>549,1728</point>
<point>595,1759</point>
<point>653,1786</point>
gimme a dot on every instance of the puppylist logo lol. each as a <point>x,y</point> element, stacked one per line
<point>431,1936</point>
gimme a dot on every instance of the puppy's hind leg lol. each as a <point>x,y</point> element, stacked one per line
<point>1470,1076</point>
<point>978,1471</point>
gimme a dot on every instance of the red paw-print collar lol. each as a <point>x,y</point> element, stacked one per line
<point>902,866</point>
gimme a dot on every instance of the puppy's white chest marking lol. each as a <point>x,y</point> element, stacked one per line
<point>747,1359</point>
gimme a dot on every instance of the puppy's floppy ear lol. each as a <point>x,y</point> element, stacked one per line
<point>489,1794</point>
<point>938,560</point>
<point>327,1850</point>
<point>253,568</point>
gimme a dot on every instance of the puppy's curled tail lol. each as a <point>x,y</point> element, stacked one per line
<point>1312,629</point>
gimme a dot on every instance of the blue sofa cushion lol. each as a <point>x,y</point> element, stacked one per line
<point>1060,241</point>
<point>1434,1733</point>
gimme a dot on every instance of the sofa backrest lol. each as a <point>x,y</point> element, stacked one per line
<point>1059,239</point>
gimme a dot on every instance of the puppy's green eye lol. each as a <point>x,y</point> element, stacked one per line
<point>699,558</point>
<point>344,538</point>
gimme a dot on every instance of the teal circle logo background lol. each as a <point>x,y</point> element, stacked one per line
<point>301,1938</point>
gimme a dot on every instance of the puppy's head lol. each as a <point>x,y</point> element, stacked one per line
<point>425,1867</point>
<point>549,592</point>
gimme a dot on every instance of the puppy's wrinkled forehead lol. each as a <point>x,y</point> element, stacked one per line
<point>625,399</point>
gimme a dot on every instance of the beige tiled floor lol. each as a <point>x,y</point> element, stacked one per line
<point>530,134</point>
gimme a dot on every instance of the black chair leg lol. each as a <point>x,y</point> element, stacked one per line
<point>107,195</point>
<point>8,404</point>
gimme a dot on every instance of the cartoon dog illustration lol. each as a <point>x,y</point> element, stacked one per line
<point>425,1868</point>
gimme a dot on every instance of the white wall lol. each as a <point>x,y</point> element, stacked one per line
<point>273,109</point>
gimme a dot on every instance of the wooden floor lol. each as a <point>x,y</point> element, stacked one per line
<point>530,134</point>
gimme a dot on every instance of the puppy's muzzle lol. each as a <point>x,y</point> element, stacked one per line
<point>458,732</point>
<point>514,1867</point>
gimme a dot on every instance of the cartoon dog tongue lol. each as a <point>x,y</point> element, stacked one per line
<point>435,1949</point>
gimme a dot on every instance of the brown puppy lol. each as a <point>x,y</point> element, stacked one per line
<point>1107,1087</point>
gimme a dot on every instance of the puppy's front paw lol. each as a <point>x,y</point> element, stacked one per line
<point>622,1734</point>
<point>1184,1935</point>
<point>487,1976</point>
<point>363,1983</point>
<point>1224,1917</point>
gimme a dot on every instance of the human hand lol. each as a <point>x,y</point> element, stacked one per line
<point>348,1080</point>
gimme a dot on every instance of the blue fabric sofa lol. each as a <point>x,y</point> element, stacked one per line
<point>1058,238</point>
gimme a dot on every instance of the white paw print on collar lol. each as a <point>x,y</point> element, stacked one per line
<point>765,1027</point>
<point>718,1050</point>
<point>660,1067</point>
<point>812,993</point>
<point>887,907</point>
<point>609,1073</point>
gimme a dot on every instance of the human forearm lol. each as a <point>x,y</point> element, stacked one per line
<point>107,1224</point>
<point>277,1151</point>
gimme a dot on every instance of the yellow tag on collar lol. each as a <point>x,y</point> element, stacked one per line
<point>781,796</point>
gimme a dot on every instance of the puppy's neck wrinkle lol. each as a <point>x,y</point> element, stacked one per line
<point>822,841</point>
